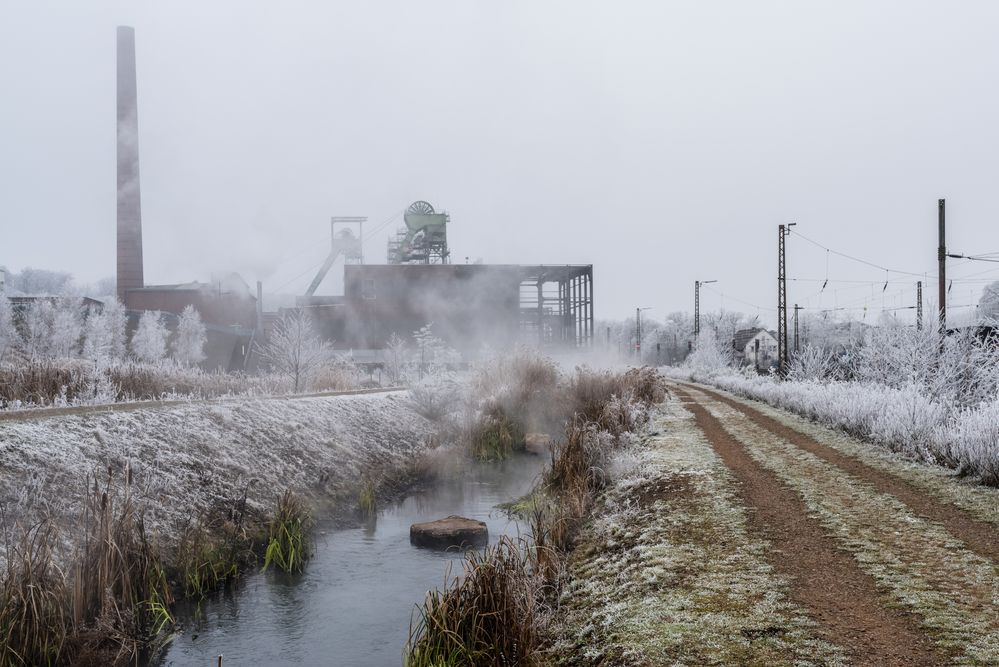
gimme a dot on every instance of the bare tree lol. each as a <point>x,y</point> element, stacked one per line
<point>294,349</point>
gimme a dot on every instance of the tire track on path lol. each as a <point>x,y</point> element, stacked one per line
<point>842,599</point>
<point>980,537</point>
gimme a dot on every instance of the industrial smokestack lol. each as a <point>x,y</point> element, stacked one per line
<point>129,210</point>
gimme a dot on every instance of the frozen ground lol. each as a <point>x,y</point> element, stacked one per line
<point>189,458</point>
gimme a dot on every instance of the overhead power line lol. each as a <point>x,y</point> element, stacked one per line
<point>855,259</point>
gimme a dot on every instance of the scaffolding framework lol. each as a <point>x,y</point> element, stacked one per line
<point>556,305</point>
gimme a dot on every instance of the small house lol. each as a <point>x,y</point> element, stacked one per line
<point>756,347</point>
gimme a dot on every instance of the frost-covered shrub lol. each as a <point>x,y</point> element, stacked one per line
<point>709,355</point>
<point>903,419</point>
<point>435,396</point>
<point>812,363</point>
<point>974,436</point>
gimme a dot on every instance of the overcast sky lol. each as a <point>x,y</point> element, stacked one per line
<point>662,142</point>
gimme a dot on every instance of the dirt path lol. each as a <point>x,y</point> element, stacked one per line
<point>845,601</point>
<point>980,536</point>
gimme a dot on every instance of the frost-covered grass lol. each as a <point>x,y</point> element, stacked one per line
<point>189,458</point>
<point>70,382</point>
<point>497,610</point>
<point>668,572</point>
<point>941,483</point>
<point>954,591</point>
<point>903,419</point>
<point>200,482</point>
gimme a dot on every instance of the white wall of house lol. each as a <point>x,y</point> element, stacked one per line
<point>768,350</point>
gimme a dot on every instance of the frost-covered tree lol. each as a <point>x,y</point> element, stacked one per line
<point>8,334</point>
<point>988,306</point>
<point>117,322</point>
<point>104,333</point>
<point>150,337</point>
<point>709,355</point>
<point>432,352</point>
<point>36,329</point>
<point>396,358</point>
<point>66,327</point>
<point>41,282</point>
<point>97,337</point>
<point>295,349</point>
<point>189,343</point>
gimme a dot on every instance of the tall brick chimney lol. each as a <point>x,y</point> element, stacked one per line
<point>129,273</point>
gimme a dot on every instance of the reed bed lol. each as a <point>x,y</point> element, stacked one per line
<point>288,541</point>
<point>495,613</point>
<point>112,604</point>
<point>485,617</point>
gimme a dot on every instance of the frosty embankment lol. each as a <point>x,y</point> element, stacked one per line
<point>186,459</point>
<point>741,534</point>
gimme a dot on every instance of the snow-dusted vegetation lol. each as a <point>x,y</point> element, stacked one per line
<point>63,352</point>
<point>928,397</point>
<point>107,517</point>
<point>187,458</point>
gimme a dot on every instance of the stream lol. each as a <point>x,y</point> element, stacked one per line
<point>353,604</point>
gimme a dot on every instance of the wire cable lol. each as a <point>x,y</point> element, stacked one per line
<point>851,257</point>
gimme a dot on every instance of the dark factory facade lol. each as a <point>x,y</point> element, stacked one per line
<point>469,305</point>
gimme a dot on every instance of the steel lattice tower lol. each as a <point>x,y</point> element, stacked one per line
<point>919,305</point>
<point>781,302</point>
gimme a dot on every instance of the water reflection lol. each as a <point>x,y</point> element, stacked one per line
<point>352,606</point>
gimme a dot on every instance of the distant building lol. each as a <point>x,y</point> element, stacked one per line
<point>226,306</point>
<point>756,347</point>
<point>469,305</point>
<point>21,303</point>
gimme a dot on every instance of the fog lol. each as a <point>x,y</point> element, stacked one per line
<point>661,142</point>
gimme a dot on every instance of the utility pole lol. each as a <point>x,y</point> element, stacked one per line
<point>919,305</point>
<point>796,309</point>
<point>697,305</point>
<point>782,232</point>
<point>942,270</point>
<point>697,308</point>
<point>638,334</point>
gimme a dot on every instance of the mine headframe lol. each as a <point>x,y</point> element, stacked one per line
<point>347,237</point>
<point>423,240</point>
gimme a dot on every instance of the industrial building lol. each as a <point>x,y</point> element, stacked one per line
<point>226,304</point>
<point>469,305</point>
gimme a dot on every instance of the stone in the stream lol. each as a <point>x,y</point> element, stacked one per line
<point>454,531</point>
<point>536,443</point>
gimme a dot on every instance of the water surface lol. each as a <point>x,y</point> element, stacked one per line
<point>352,605</point>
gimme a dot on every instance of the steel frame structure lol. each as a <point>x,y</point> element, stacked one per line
<point>556,305</point>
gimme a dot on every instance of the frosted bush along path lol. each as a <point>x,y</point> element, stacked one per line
<point>748,535</point>
<point>189,458</point>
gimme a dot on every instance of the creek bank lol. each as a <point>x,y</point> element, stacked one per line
<point>189,492</point>
<point>501,607</point>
